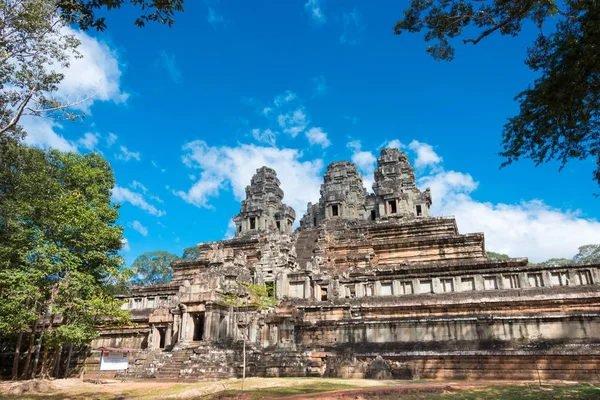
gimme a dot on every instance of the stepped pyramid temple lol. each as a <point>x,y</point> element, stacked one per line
<point>370,285</point>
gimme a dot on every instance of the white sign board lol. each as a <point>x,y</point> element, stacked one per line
<point>114,361</point>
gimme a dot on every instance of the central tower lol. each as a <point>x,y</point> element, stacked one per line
<point>263,209</point>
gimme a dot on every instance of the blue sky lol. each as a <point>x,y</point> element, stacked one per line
<point>186,114</point>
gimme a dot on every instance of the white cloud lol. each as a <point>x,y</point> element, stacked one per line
<point>89,141</point>
<point>138,185</point>
<point>42,133</point>
<point>264,136</point>
<point>426,156</point>
<point>285,98</point>
<point>396,144</point>
<point>111,139</point>
<point>353,27</point>
<point>96,74</point>
<point>126,155</point>
<point>293,122</point>
<point>313,7</point>
<point>233,167</point>
<point>124,195</point>
<point>141,229</point>
<point>168,64</point>
<point>94,77</point>
<point>125,243</point>
<point>365,162</point>
<point>530,228</point>
<point>230,232</point>
<point>317,136</point>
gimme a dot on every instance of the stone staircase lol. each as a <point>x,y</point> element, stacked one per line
<point>305,245</point>
<point>171,370</point>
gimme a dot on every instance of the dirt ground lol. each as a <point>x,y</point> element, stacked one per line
<point>73,389</point>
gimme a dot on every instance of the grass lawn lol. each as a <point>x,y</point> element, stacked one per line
<point>301,388</point>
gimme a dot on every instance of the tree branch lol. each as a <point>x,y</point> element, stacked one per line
<point>20,110</point>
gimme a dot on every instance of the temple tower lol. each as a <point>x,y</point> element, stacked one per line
<point>396,189</point>
<point>263,209</point>
<point>342,195</point>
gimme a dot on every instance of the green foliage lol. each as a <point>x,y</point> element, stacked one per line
<point>32,37</point>
<point>590,253</point>
<point>153,268</point>
<point>191,253</point>
<point>557,261</point>
<point>260,297</point>
<point>497,256</point>
<point>559,114</point>
<point>35,46</point>
<point>59,241</point>
<point>84,13</point>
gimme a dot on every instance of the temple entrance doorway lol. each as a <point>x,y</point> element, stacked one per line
<point>198,319</point>
<point>162,337</point>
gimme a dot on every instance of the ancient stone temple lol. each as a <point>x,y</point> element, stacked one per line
<point>370,285</point>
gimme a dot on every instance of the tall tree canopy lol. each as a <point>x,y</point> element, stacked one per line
<point>59,243</point>
<point>191,253</point>
<point>153,268</point>
<point>559,114</point>
<point>36,48</point>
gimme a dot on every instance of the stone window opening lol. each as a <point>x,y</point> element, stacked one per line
<point>278,224</point>
<point>314,222</point>
<point>369,289</point>
<point>419,210</point>
<point>240,228</point>
<point>535,280</point>
<point>511,282</point>
<point>490,283</point>
<point>252,223</point>
<point>447,284</point>
<point>467,284</point>
<point>351,293</point>
<point>406,287</point>
<point>150,302</point>
<point>584,277</point>
<point>559,278</point>
<point>334,210</point>
<point>386,289</point>
<point>137,304</point>
<point>323,294</point>
<point>393,208</point>
<point>373,215</point>
<point>270,288</point>
<point>426,286</point>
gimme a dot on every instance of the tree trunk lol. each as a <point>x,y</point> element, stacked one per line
<point>55,363</point>
<point>44,369</point>
<point>16,359</point>
<point>68,360</point>
<point>25,374</point>
<point>85,357</point>
<point>37,352</point>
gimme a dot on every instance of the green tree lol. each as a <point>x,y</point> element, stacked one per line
<point>153,268</point>
<point>560,113</point>
<point>590,253</point>
<point>249,298</point>
<point>84,13</point>
<point>59,245</point>
<point>191,253</point>
<point>557,261</point>
<point>496,256</point>
<point>36,48</point>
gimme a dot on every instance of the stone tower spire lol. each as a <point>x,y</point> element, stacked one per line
<point>263,209</point>
<point>396,189</point>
